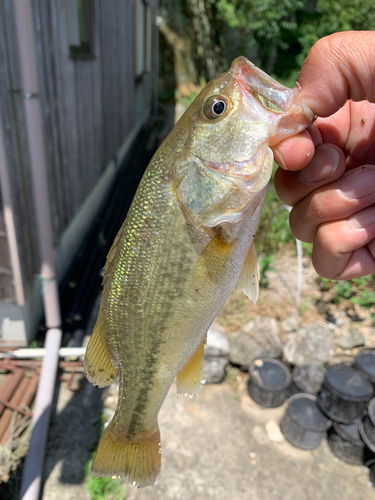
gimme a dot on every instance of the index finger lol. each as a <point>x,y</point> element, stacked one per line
<point>297,152</point>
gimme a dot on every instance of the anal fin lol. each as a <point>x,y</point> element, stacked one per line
<point>98,365</point>
<point>249,278</point>
<point>188,380</point>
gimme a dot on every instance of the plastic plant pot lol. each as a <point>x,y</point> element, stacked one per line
<point>365,362</point>
<point>269,381</point>
<point>303,424</point>
<point>371,465</point>
<point>307,379</point>
<point>367,426</point>
<point>345,442</point>
<point>344,394</point>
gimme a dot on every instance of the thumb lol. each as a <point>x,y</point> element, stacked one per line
<point>337,68</point>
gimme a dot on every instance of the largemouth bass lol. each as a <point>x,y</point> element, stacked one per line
<point>185,244</point>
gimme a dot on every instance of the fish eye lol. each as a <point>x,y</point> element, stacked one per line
<point>215,107</point>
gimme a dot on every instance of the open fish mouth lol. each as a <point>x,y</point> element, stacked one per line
<point>287,109</point>
<point>271,94</point>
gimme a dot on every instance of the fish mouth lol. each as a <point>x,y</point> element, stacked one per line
<point>274,97</point>
<point>270,93</point>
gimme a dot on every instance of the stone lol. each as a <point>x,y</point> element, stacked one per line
<point>217,342</point>
<point>292,322</point>
<point>214,369</point>
<point>312,344</point>
<point>370,338</point>
<point>350,339</point>
<point>273,432</point>
<point>216,355</point>
<point>257,339</point>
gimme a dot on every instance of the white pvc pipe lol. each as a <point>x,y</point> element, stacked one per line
<point>64,352</point>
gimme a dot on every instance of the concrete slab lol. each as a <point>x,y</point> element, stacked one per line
<point>215,446</point>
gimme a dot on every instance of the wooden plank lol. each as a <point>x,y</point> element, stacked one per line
<point>97,92</point>
<point>67,116</point>
<point>45,64</point>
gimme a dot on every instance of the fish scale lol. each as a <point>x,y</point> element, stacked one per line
<point>185,244</point>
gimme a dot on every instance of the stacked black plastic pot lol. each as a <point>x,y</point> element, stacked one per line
<point>338,401</point>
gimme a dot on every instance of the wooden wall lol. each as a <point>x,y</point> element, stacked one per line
<point>89,108</point>
<point>88,104</point>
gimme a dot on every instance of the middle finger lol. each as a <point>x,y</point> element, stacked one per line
<point>335,201</point>
<point>327,166</point>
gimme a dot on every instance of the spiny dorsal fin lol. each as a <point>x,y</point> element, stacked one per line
<point>249,278</point>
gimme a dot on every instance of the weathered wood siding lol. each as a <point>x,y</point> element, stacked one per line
<point>91,109</point>
<point>89,106</point>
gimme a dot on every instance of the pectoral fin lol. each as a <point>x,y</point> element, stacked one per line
<point>188,380</point>
<point>98,365</point>
<point>249,278</point>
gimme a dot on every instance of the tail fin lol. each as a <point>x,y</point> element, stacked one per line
<point>138,460</point>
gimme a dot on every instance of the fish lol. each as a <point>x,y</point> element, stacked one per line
<point>186,242</point>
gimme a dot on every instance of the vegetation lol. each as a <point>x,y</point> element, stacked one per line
<point>358,291</point>
<point>205,35</point>
<point>104,488</point>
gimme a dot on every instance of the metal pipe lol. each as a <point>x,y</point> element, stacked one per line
<point>14,400</point>
<point>32,473</point>
<point>9,386</point>
<point>30,365</point>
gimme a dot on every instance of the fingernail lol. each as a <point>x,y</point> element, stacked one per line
<point>279,160</point>
<point>363,219</point>
<point>358,183</point>
<point>322,166</point>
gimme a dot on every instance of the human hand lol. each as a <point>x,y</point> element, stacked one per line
<point>328,172</point>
